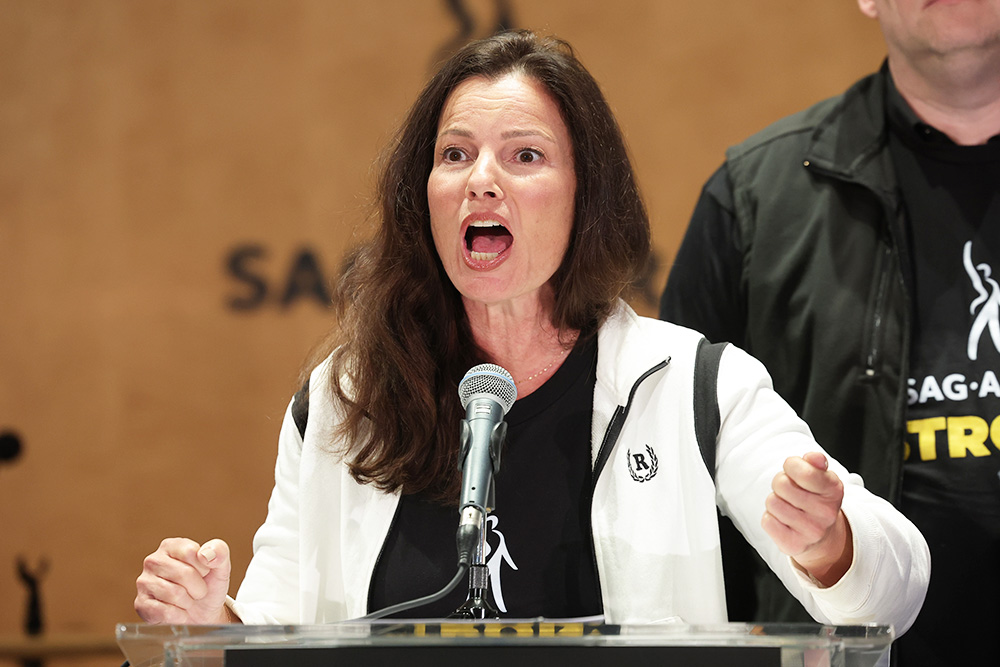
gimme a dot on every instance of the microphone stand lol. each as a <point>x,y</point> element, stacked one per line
<point>487,392</point>
<point>477,606</point>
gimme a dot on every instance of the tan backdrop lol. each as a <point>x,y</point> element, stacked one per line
<point>177,180</point>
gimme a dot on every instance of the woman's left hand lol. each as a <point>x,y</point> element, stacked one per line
<point>804,518</point>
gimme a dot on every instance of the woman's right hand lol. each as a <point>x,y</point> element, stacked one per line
<point>183,582</point>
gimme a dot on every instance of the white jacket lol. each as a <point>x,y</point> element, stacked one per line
<point>655,537</point>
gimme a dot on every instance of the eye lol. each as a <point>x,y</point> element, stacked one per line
<point>527,155</point>
<point>453,154</point>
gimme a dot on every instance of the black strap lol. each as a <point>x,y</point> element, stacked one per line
<point>706,400</point>
<point>300,408</point>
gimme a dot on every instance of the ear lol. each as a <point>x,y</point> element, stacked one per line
<point>868,8</point>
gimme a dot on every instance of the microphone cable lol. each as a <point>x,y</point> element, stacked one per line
<point>419,602</point>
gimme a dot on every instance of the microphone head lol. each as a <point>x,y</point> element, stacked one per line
<point>491,380</point>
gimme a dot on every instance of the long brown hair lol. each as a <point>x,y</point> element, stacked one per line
<point>403,341</point>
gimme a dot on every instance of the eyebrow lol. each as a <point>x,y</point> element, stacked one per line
<point>510,134</point>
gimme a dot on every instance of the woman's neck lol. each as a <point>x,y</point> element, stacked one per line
<point>521,339</point>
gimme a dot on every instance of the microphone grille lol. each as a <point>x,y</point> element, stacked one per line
<point>488,379</point>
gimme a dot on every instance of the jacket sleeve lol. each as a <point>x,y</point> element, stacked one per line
<point>269,591</point>
<point>704,290</point>
<point>887,581</point>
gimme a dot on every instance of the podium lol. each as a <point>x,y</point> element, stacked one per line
<point>506,643</point>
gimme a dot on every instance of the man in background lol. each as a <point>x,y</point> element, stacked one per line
<point>854,248</point>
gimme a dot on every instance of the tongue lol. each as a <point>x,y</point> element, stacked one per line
<point>493,240</point>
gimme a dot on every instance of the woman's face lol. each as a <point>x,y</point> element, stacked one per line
<point>501,190</point>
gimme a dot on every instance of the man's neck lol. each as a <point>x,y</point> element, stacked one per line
<point>959,96</point>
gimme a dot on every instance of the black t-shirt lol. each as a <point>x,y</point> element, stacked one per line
<point>951,489</point>
<point>540,552</point>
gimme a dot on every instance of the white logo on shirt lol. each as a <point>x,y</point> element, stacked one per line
<point>495,559</point>
<point>987,302</point>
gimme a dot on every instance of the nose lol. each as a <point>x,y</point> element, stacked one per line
<point>483,179</point>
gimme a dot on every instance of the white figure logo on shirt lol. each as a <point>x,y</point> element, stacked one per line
<point>496,558</point>
<point>987,302</point>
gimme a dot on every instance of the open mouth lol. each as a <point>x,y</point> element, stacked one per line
<point>486,239</point>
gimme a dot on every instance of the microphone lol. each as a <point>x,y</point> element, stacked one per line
<point>487,393</point>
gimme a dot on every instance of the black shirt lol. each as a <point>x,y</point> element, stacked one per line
<point>951,489</point>
<point>540,552</point>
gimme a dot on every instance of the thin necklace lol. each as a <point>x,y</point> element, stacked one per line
<point>532,377</point>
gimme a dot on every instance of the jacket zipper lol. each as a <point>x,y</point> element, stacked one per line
<point>896,240</point>
<point>607,444</point>
<point>874,349</point>
<point>617,420</point>
<point>876,324</point>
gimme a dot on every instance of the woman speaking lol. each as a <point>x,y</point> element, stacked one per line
<point>510,228</point>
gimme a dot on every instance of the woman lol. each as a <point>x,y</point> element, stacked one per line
<point>511,225</point>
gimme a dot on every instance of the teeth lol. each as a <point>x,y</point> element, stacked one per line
<point>484,256</point>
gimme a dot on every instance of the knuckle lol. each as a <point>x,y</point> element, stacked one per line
<point>771,503</point>
<point>779,482</point>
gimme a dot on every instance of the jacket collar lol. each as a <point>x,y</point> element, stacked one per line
<point>624,352</point>
<point>849,141</point>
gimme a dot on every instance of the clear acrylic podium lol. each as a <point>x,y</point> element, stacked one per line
<point>507,643</point>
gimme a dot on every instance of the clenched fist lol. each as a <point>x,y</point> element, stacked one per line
<point>804,518</point>
<point>184,582</point>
